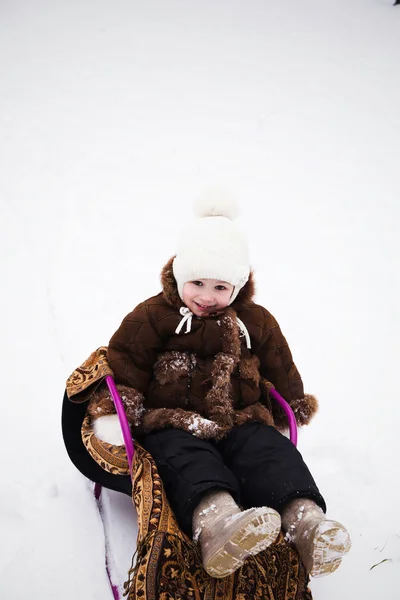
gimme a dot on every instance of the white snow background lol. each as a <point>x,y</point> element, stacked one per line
<point>113,117</point>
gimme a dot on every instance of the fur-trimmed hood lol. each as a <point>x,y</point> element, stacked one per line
<point>171,295</point>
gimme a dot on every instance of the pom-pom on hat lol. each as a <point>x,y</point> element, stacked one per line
<point>212,247</point>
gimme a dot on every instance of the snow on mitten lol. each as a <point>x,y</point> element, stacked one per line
<point>160,418</point>
<point>304,409</point>
<point>199,426</point>
<point>101,403</point>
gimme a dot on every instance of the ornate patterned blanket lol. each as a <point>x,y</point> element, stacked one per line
<point>167,564</point>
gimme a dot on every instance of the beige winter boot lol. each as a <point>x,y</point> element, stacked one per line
<point>227,535</point>
<point>320,542</point>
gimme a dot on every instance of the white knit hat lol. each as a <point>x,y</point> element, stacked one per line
<point>211,247</point>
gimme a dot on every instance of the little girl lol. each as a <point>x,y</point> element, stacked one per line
<point>194,366</point>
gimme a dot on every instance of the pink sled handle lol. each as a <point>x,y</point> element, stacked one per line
<point>289,414</point>
<point>126,430</point>
<point>123,421</point>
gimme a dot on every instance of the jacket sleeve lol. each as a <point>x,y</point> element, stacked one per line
<point>133,350</point>
<point>278,368</point>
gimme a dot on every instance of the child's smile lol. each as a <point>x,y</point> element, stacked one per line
<point>203,306</point>
<point>205,296</point>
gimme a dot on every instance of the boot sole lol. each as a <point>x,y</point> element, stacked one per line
<point>331,543</point>
<point>252,531</point>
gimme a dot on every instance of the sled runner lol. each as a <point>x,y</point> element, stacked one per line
<point>167,564</point>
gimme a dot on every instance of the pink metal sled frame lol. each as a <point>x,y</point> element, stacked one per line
<point>126,431</point>
<point>130,450</point>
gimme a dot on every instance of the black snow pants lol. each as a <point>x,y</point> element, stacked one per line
<point>255,463</point>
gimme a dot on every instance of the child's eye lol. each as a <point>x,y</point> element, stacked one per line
<point>199,283</point>
<point>220,288</point>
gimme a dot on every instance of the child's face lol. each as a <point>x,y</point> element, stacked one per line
<point>205,296</point>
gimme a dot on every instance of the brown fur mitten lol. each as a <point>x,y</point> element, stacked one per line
<point>160,418</point>
<point>101,403</point>
<point>304,409</point>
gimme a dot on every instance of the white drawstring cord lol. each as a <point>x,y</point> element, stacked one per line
<point>187,318</point>
<point>243,329</point>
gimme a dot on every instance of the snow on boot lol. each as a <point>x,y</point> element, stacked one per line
<point>227,535</point>
<point>320,542</point>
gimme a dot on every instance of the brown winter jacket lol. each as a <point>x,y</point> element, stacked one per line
<point>205,381</point>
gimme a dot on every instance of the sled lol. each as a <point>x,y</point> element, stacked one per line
<point>167,564</point>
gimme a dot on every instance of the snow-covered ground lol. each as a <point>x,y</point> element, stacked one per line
<point>113,115</point>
